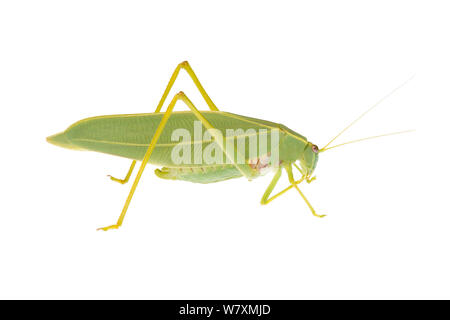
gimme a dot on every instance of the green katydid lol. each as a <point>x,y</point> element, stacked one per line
<point>148,138</point>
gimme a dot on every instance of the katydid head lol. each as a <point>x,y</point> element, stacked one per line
<point>309,159</point>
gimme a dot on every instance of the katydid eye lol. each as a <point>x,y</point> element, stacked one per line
<point>315,148</point>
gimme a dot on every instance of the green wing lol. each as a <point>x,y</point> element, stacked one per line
<point>129,135</point>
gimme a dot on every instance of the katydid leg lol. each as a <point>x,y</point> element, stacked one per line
<point>307,179</point>
<point>265,199</point>
<point>127,177</point>
<point>147,155</point>
<point>294,184</point>
<point>185,65</point>
<point>244,168</point>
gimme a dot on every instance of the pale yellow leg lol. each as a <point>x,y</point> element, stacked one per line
<point>185,65</point>
<point>273,183</point>
<point>298,168</point>
<point>148,153</point>
<point>308,180</point>
<point>125,180</point>
<point>244,169</point>
<point>265,199</point>
<point>293,182</point>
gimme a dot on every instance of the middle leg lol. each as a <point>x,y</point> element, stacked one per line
<point>265,199</point>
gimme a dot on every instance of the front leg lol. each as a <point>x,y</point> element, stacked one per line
<point>307,178</point>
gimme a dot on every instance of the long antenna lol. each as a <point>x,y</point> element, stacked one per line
<point>367,138</point>
<point>366,112</point>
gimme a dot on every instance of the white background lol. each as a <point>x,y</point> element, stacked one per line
<point>311,65</point>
